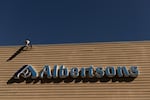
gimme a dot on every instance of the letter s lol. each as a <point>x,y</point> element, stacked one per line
<point>134,71</point>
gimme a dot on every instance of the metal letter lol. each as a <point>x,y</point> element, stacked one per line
<point>134,71</point>
<point>26,71</point>
<point>63,72</point>
<point>55,71</point>
<point>46,71</point>
<point>122,71</point>
<point>99,72</point>
<point>110,71</point>
<point>74,72</point>
<point>83,72</point>
<point>90,71</point>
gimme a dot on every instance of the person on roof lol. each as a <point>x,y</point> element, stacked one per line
<point>28,43</point>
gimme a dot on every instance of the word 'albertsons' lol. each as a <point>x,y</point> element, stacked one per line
<point>28,71</point>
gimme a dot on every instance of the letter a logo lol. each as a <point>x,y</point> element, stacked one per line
<point>26,71</point>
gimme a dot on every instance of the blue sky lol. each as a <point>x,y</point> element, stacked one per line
<point>73,21</point>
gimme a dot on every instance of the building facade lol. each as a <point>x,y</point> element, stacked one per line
<point>103,55</point>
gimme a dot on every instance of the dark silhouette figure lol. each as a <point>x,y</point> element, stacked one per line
<point>21,49</point>
<point>26,47</point>
<point>28,43</point>
<point>16,53</point>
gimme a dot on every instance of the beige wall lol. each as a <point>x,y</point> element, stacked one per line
<point>81,55</point>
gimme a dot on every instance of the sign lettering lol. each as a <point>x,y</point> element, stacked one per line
<point>63,72</point>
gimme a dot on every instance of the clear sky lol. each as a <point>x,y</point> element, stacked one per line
<point>73,21</point>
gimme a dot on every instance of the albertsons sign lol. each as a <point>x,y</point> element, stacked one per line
<point>28,71</point>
